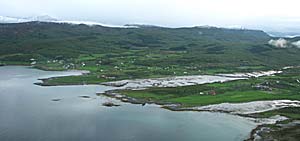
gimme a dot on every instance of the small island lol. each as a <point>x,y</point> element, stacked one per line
<point>110,104</point>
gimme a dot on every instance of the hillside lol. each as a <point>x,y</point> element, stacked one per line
<point>146,51</point>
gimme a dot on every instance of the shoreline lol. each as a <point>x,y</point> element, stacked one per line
<point>267,105</point>
<point>254,134</point>
<point>164,105</point>
<point>271,104</point>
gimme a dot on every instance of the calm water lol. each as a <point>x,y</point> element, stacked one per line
<point>27,112</point>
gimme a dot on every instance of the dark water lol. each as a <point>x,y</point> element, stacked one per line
<point>27,113</point>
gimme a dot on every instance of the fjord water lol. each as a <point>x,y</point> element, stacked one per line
<point>27,112</point>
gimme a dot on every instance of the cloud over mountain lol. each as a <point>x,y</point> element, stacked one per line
<point>283,43</point>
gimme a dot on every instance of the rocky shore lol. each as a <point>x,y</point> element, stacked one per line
<point>110,104</point>
<point>248,107</point>
<point>124,98</point>
<point>185,80</point>
<point>279,131</point>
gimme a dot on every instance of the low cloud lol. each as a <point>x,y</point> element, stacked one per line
<point>283,43</point>
<point>297,44</point>
<point>280,43</point>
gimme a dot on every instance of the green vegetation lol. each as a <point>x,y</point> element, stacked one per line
<point>292,113</point>
<point>72,80</point>
<point>145,52</point>
<point>282,86</point>
<point>148,52</point>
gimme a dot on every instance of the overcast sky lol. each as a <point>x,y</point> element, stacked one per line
<point>278,14</point>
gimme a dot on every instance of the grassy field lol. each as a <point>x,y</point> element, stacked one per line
<point>282,86</point>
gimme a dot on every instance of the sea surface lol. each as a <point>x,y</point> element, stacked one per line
<point>28,113</point>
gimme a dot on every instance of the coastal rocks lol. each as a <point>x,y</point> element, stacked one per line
<point>173,107</point>
<point>142,102</point>
<point>248,107</point>
<point>56,99</point>
<point>122,97</point>
<point>270,120</point>
<point>43,83</point>
<point>117,83</point>
<point>84,96</point>
<point>287,131</point>
<point>110,104</point>
<point>257,133</point>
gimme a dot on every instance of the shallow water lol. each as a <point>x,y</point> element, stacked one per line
<point>27,112</point>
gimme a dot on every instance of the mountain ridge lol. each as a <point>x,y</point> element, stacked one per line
<point>47,18</point>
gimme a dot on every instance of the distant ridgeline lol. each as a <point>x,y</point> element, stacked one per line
<point>202,46</point>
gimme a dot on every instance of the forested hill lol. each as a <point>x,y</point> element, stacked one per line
<point>206,47</point>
